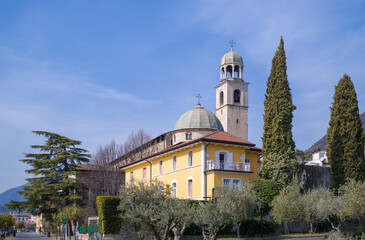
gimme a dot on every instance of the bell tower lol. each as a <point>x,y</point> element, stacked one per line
<point>232,96</point>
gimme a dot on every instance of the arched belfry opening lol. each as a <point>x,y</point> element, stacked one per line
<point>231,66</point>
<point>229,71</point>
<point>237,73</point>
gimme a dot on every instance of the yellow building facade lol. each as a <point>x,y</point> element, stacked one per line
<point>192,169</point>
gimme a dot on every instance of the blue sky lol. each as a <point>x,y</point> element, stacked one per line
<point>96,70</point>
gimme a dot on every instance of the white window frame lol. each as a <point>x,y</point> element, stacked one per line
<point>247,164</point>
<point>231,182</point>
<point>172,186</point>
<point>190,160</point>
<point>144,174</point>
<point>192,185</point>
<point>160,167</point>
<point>228,161</point>
<point>174,163</point>
<point>131,177</point>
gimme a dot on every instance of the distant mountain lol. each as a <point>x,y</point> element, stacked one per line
<point>322,143</point>
<point>10,194</point>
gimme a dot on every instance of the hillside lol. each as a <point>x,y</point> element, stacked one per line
<point>10,194</point>
<point>322,143</point>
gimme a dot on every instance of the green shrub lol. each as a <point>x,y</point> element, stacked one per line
<point>110,220</point>
<point>322,226</point>
<point>252,227</point>
<point>228,229</point>
<point>193,229</point>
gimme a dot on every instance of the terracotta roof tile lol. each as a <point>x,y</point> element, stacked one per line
<point>227,137</point>
<point>216,136</point>
<point>87,167</point>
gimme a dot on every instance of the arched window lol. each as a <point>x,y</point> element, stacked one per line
<point>188,136</point>
<point>237,96</point>
<point>221,96</point>
<point>229,71</point>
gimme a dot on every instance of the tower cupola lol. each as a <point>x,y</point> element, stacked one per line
<point>231,66</point>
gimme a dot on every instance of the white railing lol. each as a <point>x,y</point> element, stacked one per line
<point>217,165</point>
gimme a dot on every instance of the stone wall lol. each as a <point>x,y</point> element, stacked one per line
<point>312,176</point>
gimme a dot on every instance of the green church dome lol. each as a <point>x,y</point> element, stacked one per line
<point>232,57</point>
<point>198,118</point>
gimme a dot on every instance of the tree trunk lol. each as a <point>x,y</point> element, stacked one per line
<point>155,233</point>
<point>238,225</point>
<point>213,236</point>
<point>165,233</point>
<point>178,233</point>
<point>311,227</point>
<point>285,227</point>
<point>69,227</point>
<point>205,237</point>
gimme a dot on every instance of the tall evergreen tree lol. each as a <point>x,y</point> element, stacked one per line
<point>54,185</point>
<point>345,135</point>
<point>277,138</point>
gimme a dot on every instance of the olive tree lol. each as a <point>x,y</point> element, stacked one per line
<point>288,205</point>
<point>311,204</point>
<point>346,204</point>
<point>72,213</point>
<point>178,214</point>
<point>241,202</point>
<point>151,207</point>
<point>212,216</point>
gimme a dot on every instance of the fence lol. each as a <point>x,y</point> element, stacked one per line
<point>88,229</point>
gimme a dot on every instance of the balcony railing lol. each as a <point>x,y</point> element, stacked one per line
<point>217,165</point>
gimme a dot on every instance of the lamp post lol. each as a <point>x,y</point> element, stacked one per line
<point>213,190</point>
<point>65,229</point>
<point>261,226</point>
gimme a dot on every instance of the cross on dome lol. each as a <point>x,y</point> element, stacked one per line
<point>198,97</point>
<point>232,44</point>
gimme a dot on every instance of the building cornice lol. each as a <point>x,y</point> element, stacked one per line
<point>184,145</point>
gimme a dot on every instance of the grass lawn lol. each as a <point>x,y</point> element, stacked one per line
<point>281,236</point>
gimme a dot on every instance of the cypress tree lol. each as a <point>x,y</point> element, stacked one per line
<point>54,185</point>
<point>277,137</point>
<point>345,135</point>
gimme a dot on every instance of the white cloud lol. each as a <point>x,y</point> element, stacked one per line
<point>321,45</point>
<point>51,76</point>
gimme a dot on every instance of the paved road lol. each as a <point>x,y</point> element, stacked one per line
<point>296,238</point>
<point>30,236</point>
<point>33,236</point>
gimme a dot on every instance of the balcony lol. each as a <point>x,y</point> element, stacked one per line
<point>217,165</point>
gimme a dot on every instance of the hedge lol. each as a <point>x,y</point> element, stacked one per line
<point>109,215</point>
<point>252,227</point>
